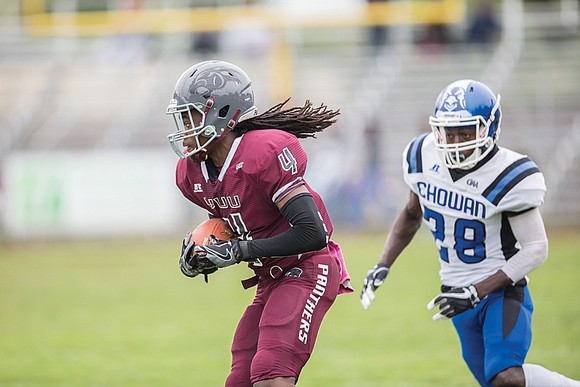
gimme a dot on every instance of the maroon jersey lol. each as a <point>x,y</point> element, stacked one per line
<point>262,167</point>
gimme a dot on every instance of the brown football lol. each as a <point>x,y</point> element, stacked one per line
<point>214,226</point>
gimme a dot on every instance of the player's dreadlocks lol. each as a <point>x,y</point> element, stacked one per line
<point>302,122</point>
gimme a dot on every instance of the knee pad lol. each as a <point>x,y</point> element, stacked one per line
<point>277,362</point>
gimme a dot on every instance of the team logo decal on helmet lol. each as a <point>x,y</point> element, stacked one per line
<point>454,99</point>
<point>206,81</point>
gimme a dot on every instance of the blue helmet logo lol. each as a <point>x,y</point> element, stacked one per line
<point>454,99</point>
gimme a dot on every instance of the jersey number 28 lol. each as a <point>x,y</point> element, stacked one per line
<point>469,237</point>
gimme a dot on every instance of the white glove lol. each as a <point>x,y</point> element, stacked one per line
<point>375,278</point>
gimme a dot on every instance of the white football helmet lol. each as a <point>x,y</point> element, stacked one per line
<point>222,93</point>
<point>466,104</point>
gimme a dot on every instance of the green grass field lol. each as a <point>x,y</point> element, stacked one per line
<point>119,313</point>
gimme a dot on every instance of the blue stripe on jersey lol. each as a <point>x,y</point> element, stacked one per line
<point>414,158</point>
<point>509,178</point>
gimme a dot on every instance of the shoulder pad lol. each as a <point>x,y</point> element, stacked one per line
<point>414,157</point>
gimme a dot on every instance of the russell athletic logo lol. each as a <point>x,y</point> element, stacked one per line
<point>311,303</point>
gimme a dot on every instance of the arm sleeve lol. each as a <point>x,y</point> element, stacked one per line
<point>529,231</point>
<point>307,233</point>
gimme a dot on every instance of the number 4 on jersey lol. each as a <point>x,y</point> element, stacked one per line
<point>288,161</point>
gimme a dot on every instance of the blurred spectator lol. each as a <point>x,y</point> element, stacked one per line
<point>378,34</point>
<point>434,38</point>
<point>204,42</point>
<point>483,27</point>
<point>435,34</point>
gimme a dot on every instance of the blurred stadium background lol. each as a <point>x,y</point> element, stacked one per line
<point>84,85</point>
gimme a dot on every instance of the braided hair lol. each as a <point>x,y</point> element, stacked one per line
<point>302,122</point>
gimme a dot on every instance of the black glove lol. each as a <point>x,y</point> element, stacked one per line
<point>190,264</point>
<point>375,278</point>
<point>454,301</point>
<point>220,253</point>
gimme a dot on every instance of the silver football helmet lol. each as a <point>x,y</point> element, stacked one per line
<point>466,104</point>
<point>222,93</point>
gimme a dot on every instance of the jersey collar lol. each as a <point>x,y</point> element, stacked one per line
<point>457,174</point>
<point>205,168</point>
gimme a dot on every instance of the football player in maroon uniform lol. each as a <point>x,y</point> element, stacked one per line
<point>248,169</point>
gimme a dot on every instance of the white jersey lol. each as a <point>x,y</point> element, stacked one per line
<point>467,210</point>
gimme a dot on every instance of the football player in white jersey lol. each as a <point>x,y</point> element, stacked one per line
<point>481,202</point>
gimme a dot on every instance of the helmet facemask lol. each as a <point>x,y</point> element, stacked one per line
<point>190,130</point>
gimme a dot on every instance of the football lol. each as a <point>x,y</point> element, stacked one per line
<point>217,227</point>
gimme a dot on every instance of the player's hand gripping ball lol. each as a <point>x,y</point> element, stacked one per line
<point>209,232</point>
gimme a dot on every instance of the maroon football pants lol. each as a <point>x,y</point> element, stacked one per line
<point>276,334</point>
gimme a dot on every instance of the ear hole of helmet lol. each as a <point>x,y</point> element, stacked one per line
<point>224,111</point>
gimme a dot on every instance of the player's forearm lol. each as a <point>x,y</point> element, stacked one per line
<point>307,233</point>
<point>402,233</point>
<point>529,231</point>
<point>496,281</point>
